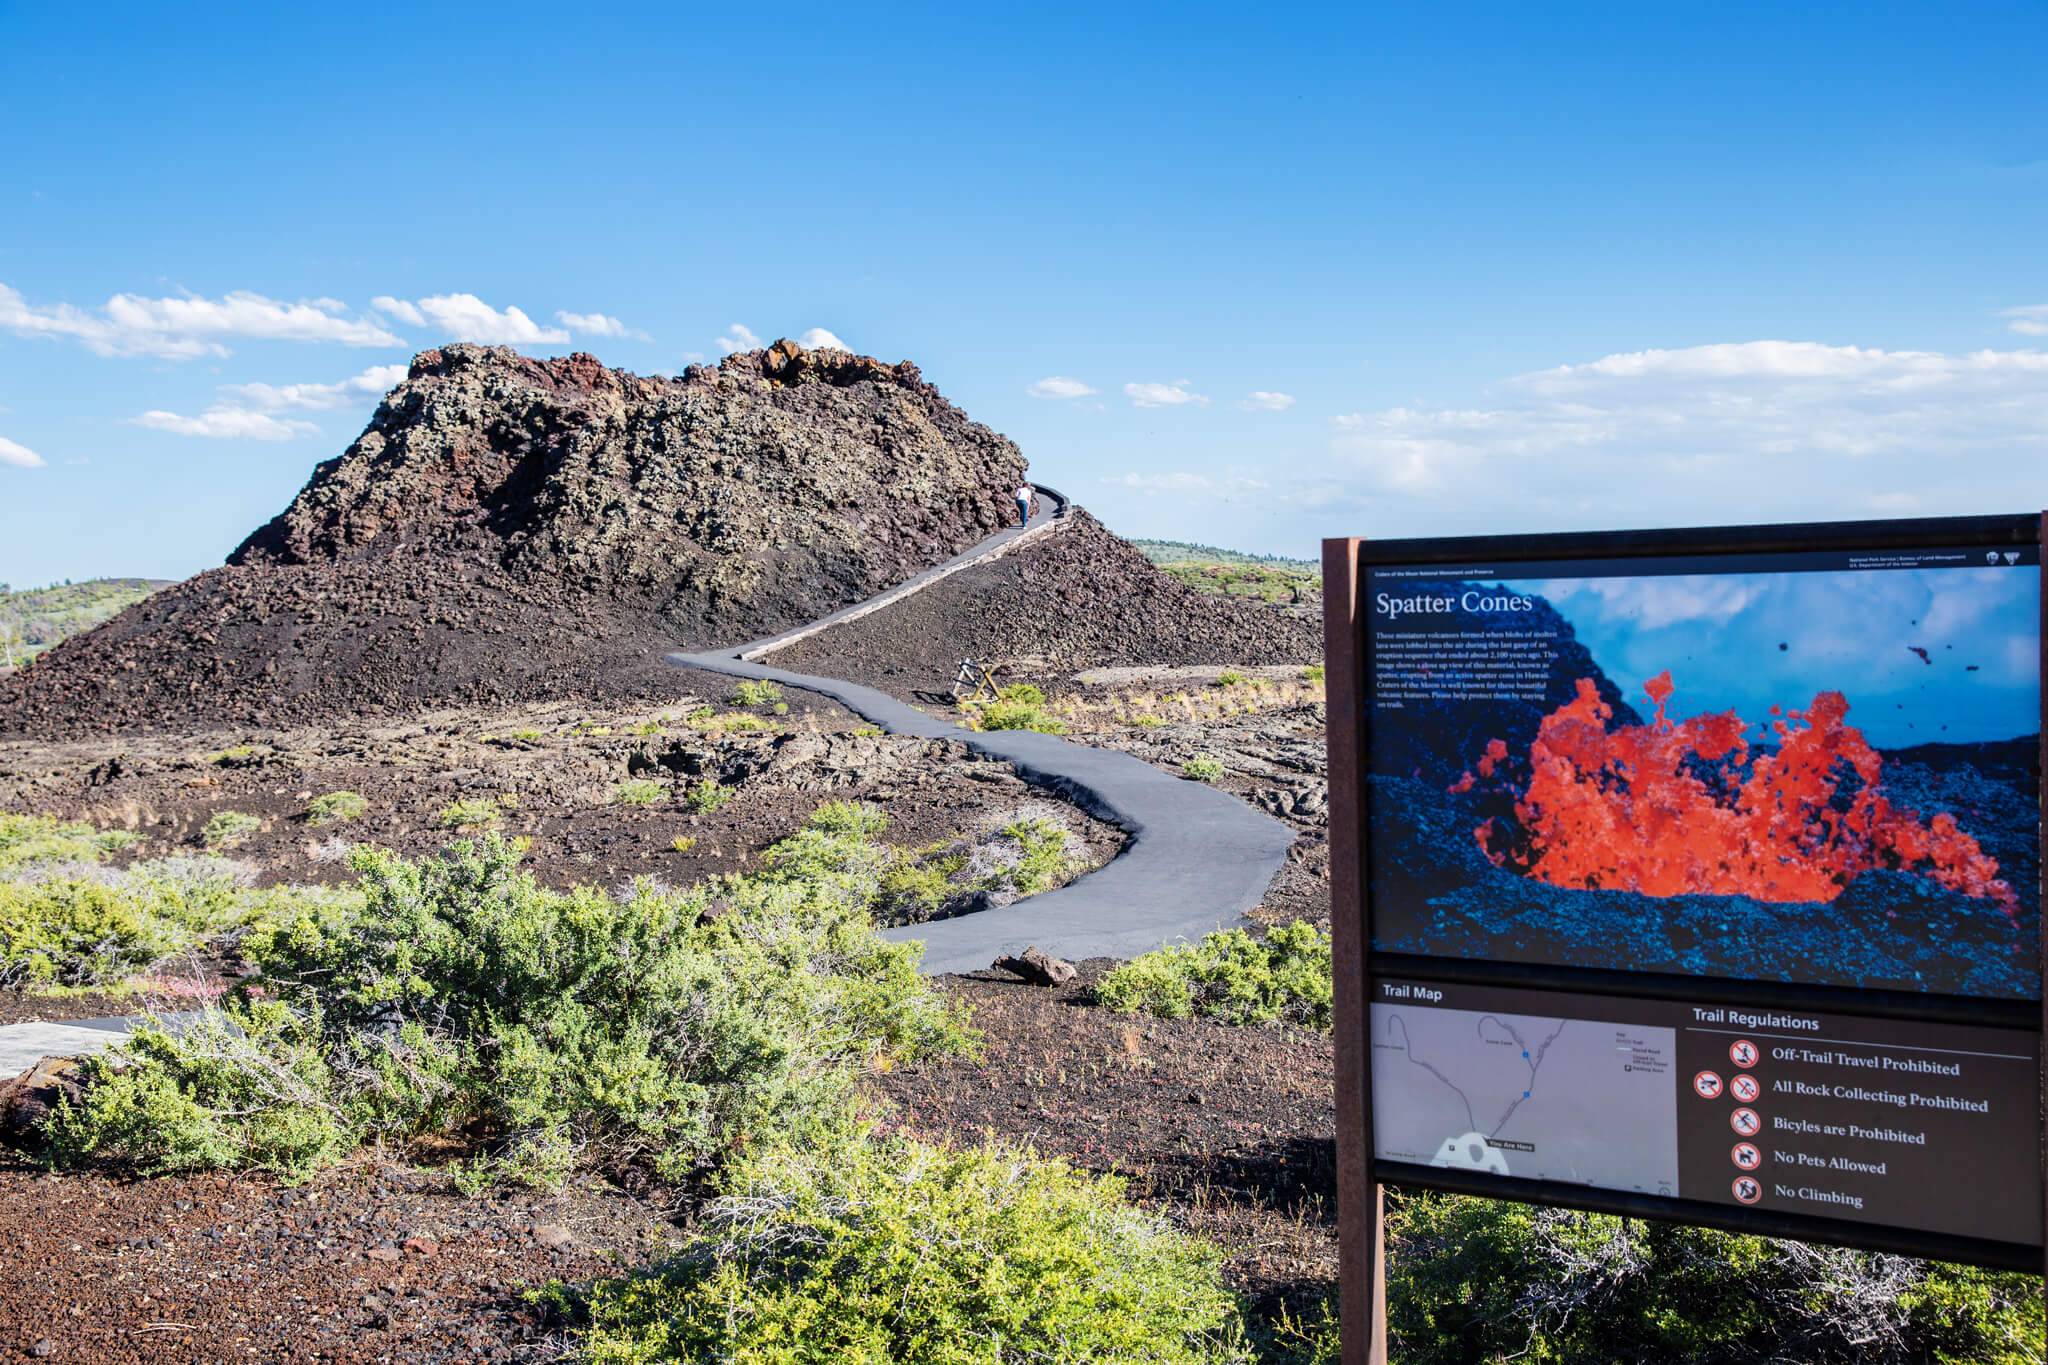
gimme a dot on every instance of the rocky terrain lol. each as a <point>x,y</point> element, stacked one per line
<point>510,529</point>
<point>1079,598</point>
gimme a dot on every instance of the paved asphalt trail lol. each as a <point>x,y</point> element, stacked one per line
<point>1196,858</point>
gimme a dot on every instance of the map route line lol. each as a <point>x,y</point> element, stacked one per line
<point>1533,1056</point>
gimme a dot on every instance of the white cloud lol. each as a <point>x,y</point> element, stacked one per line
<point>1059,386</point>
<point>225,423</point>
<point>600,325</point>
<point>278,397</point>
<point>1732,431</point>
<point>1171,395</point>
<point>18,455</point>
<point>739,337</point>
<point>1265,400</point>
<point>181,328</point>
<point>1188,482</point>
<point>465,317</point>
<point>400,309</point>
<point>2031,320</point>
<point>818,339</point>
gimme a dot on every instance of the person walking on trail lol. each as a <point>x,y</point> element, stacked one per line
<point>1023,505</point>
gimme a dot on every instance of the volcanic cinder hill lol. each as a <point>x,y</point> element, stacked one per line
<point>510,529</point>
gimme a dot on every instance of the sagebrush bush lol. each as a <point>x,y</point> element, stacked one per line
<point>64,923</point>
<point>752,692</point>
<point>1232,977</point>
<point>638,791</point>
<point>27,840</point>
<point>472,812</point>
<point>894,1252</point>
<point>543,1027</point>
<point>1019,706</point>
<point>336,808</point>
<point>1485,1280</point>
<point>1203,769</point>
<point>229,829</point>
<point>707,796</point>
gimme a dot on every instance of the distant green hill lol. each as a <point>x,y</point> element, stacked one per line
<point>1165,552</point>
<point>1296,584</point>
<point>33,620</point>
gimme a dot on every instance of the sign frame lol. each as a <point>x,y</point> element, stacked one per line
<point>1355,965</point>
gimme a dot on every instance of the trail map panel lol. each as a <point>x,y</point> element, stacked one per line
<point>1540,1097</point>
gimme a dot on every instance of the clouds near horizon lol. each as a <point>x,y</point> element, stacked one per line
<point>182,328</point>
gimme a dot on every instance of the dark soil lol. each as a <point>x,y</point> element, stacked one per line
<point>369,1263</point>
<point>561,766</point>
<point>1079,598</point>
<point>1227,1128</point>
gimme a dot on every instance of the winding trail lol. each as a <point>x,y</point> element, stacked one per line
<point>1196,858</point>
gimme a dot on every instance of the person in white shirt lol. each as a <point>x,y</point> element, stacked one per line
<point>1023,504</point>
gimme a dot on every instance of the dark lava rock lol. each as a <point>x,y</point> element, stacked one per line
<point>1037,967</point>
<point>1078,598</point>
<point>511,529</point>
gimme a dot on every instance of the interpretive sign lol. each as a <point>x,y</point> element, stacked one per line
<point>1694,875</point>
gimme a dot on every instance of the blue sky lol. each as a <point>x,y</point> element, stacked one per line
<point>1847,632</point>
<point>1328,270</point>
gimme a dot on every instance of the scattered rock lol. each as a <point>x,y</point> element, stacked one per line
<point>553,1235</point>
<point>30,1097</point>
<point>1037,967</point>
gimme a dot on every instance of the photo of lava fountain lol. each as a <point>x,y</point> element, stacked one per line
<point>1689,807</point>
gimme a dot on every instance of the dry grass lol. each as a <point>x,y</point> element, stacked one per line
<point>1146,709</point>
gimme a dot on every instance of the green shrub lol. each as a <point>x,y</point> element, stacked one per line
<point>706,797</point>
<point>460,998</point>
<point>1044,856</point>
<point>1019,706</point>
<point>254,1094</point>
<point>753,692</point>
<point>849,817</point>
<point>472,812</point>
<point>1483,1280</point>
<point>683,843</point>
<point>1230,677</point>
<point>240,756</point>
<point>1148,721</point>
<point>1202,769</point>
<point>1232,977</point>
<point>916,889</point>
<point>73,932</point>
<point>892,1252</point>
<point>34,840</point>
<point>97,927</point>
<point>336,808</point>
<point>229,829</point>
<point>1313,674</point>
<point>638,791</point>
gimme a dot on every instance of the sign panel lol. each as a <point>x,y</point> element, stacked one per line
<point>1817,767</point>
<point>1693,875</point>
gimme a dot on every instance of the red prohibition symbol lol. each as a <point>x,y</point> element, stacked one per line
<point>1707,1086</point>
<point>1745,1122</point>
<point>1746,1156</point>
<point>1745,1088</point>
<point>1747,1190</point>
<point>1743,1053</point>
